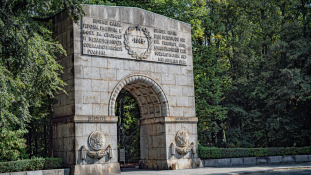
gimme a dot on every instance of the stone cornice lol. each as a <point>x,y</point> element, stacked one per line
<point>148,121</point>
<point>86,118</point>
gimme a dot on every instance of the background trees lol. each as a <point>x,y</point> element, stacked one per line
<point>251,70</point>
<point>29,73</point>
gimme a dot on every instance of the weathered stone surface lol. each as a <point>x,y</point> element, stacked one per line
<point>224,162</point>
<point>275,159</point>
<point>108,168</point>
<point>288,159</point>
<point>65,171</point>
<point>262,160</point>
<point>149,55</point>
<point>249,160</point>
<point>34,173</point>
<point>17,173</point>
<point>167,164</point>
<point>211,163</point>
<point>236,161</point>
<point>256,160</point>
<point>50,172</point>
<point>301,158</point>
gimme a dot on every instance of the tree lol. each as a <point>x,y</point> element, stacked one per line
<point>128,125</point>
<point>28,68</point>
<point>261,63</point>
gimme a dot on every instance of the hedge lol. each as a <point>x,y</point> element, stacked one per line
<point>30,164</point>
<point>216,153</point>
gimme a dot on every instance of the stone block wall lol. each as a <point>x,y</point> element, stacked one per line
<point>64,142</point>
<point>171,129</point>
<point>83,130</point>
<point>96,76</point>
<point>164,92</point>
<point>152,141</point>
<point>63,32</point>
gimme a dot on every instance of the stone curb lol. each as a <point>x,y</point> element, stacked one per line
<point>255,160</point>
<point>65,171</point>
<point>267,171</point>
<point>251,172</point>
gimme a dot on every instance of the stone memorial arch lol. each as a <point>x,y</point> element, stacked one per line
<point>115,48</point>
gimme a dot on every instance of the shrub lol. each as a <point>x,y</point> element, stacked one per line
<point>36,164</point>
<point>12,145</point>
<point>216,153</point>
<point>30,164</point>
<point>51,163</point>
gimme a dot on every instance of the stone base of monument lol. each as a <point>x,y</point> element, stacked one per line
<point>167,164</point>
<point>104,169</point>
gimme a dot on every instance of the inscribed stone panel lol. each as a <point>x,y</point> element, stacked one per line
<point>110,38</point>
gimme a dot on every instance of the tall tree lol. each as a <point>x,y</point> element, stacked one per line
<point>28,69</point>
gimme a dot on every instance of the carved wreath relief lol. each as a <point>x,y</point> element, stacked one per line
<point>97,141</point>
<point>132,36</point>
<point>182,140</point>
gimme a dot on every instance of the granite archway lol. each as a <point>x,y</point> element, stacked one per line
<point>117,48</point>
<point>153,105</point>
<point>150,97</point>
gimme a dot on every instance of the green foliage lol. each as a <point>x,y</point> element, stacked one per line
<point>264,50</point>
<point>217,153</point>
<point>29,72</point>
<point>51,163</point>
<point>36,163</point>
<point>211,113</point>
<point>128,126</point>
<point>12,146</point>
<point>30,164</point>
<point>251,69</point>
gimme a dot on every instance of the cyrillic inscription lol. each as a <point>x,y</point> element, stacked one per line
<point>116,39</point>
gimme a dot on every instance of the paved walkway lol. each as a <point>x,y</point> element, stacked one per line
<point>219,170</point>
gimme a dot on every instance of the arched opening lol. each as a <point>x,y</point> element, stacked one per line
<point>153,104</point>
<point>150,97</point>
<point>128,136</point>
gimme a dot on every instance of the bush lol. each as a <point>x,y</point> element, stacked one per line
<point>30,164</point>
<point>217,153</point>
<point>12,145</point>
<point>51,163</point>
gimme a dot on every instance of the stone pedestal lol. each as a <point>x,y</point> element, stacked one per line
<point>115,48</point>
<point>167,164</point>
<point>103,169</point>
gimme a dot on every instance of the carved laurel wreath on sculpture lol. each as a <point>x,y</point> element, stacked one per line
<point>97,141</point>
<point>182,140</point>
<point>128,32</point>
<point>100,153</point>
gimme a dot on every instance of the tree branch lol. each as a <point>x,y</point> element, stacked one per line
<point>42,19</point>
